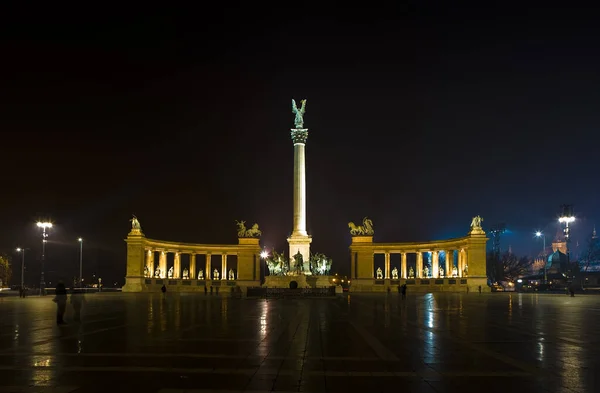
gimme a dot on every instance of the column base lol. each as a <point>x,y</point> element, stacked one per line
<point>300,244</point>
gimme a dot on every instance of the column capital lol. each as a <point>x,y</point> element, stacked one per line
<point>299,135</point>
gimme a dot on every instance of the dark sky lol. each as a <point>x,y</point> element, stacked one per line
<point>420,117</point>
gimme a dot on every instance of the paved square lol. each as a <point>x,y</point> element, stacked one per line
<point>373,343</point>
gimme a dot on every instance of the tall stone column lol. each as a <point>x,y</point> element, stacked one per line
<point>300,241</point>
<point>387,265</point>
<point>419,272</point>
<point>449,263</point>
<point>207,271</point>
<point>461,262</point>
<point>192,272</point>
<point>150,262</point>
<point>435,264</point>
<point>177,265</point>
<point>224,267</point>
<point>403,272</point>
<point>162,264</point>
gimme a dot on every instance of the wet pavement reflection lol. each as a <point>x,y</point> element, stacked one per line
<point>359,342</point>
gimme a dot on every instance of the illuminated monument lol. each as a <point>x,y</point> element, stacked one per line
<point>299,240</point>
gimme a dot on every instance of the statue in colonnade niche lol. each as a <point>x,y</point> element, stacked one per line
<point>426,272</point>
<point>395,273</point>
<point>441,272</point>
<point>454,271</point>
<point>157,273</point>
<point>170,272</point>
<point>379,274</point>
<point>186,274</point>
<point>146,271</point>
<point>201,275</point>
<point>411,272</point>
<point>231,274</point>
<point>466,271</point>
<point>215,274</point>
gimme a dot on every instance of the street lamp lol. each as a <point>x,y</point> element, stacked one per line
<point>540,234</point>
<point>80,262</point>
<point>44,226</point>
<point>22,251</point>
<point>264,255</point>
<point>567,217</point>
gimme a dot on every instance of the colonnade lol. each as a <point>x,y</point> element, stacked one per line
<point>206,272</point>
<point>448,267</point>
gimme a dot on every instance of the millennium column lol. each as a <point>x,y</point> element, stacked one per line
<point>299,240</point>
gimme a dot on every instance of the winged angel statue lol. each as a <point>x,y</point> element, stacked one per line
<point>299,120</point>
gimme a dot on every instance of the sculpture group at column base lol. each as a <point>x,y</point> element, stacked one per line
<point>303,281</point>
<point>301,244</point>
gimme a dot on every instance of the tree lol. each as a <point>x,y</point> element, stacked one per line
<point>494,267</point>
<point>5,270</point>
<point>513,266</point>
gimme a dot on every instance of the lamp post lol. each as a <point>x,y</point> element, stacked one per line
<point>22,251</point>
<point>44,226</point>
<point>543,236</point>
<point>264,255</point>
<point>567,217</point>
<point>80,262</point>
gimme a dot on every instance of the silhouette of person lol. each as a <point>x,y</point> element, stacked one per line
<point>164,290</point>
<point>60,299</point>
<point>403,291</point>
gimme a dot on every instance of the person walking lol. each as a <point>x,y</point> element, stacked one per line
<point>403,291</point>
<point>60,299</point>
<point>163,289</point>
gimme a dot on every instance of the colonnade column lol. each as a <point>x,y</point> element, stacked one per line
<point>162,264</point>
<point>449,263</point>
<point>223,266</point>
<point>461,261</point>
<point>435,264</point>
<point>150,262</point>
<point>192,272</point>
<point>403,265</point>
<point>177,265</point>
<point>207,271</point>
<point>419,272</point>
<point>387,266</point>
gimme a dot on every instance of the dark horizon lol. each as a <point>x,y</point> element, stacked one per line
<point>419,118</point>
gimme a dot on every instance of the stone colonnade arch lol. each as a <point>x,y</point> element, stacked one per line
<point>147,273</point>
<point>464,272</point>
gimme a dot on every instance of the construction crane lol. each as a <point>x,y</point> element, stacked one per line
<point>496,231</point>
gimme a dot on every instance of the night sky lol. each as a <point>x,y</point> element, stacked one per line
<point>419,117</point>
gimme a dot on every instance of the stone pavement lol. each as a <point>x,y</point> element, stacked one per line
<point>372,343</point>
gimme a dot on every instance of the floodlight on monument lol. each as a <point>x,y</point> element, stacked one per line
<point>264,254</point>
<point>44,225</point>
